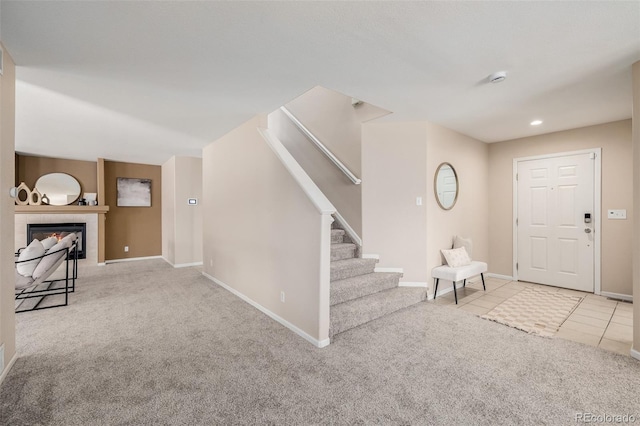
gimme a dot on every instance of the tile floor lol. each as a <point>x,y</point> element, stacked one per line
<point>597,321</point>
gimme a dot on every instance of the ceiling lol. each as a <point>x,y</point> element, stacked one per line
<point>143,81</point>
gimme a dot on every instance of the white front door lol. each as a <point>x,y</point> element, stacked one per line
<point>555,244</point>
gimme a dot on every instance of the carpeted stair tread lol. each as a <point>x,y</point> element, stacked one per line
<point>337,236</point>
<point>342,269</point>
<point>353,313</point>
<point>342,251</point>
<point>362,285</point>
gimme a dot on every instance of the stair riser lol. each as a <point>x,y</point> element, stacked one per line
<point>344,319</point>
<point>337,239</point>
<point>343,274</point>
<point>342,253</point>
<point>384,283</point>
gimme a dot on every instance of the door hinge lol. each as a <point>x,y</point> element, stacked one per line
<point>516,221</point>
<point>516,177</point>
<point>516,266</point>
<point>592,155</point>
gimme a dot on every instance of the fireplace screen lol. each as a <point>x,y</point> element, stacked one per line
<point>40,231</point>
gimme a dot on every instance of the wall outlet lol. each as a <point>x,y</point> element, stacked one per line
<point>126,249</point>
<point>282,296</point>
<point>418,201</point>
<point>617,214</point>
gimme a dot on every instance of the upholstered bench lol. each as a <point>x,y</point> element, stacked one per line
<point>456,274</point>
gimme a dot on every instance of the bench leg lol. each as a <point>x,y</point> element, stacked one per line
<point>436,290</point>
<point>464,283</point>
<point>455,293</point>
<point>483,287</point>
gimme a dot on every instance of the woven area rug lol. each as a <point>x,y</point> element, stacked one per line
<point>534,311</point>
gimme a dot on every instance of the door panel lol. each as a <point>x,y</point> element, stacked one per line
<point>553,196</point>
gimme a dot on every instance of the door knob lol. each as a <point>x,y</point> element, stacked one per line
<point>587,230</point>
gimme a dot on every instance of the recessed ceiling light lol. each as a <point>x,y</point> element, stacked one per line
<point>497,77</point>
<point>536,122</point>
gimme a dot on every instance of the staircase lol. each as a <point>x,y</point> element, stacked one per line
<point>358,294</point>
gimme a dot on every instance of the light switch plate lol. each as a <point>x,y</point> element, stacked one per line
<point>617,214</point>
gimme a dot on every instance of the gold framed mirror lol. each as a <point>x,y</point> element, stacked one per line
<point>446,186</point>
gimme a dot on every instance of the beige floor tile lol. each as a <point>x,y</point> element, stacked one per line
<point>600,323</point>
<point>576,336</point>
<point>623,313</point>
<point>614,346</point>
<point>619,332</point>
<point>625,306</point>
<point>599,300</point>
<point>619,319</point>
<point>583,328</point>
<point>494,285</point>
<point>478,310</point>
<point>597,307</point>
<point>483,303</point>
<point>593,314</point>
<point>492,298</point>
<point>521,285</point>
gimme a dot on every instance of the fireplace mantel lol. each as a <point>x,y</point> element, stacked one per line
<point>62,209</point>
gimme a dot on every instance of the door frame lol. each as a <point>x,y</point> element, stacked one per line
<point>597,207</point>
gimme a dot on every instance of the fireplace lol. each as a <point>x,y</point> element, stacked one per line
<point>40,231</point>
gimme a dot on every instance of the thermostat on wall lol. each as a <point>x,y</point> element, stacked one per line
<point>192,201</point>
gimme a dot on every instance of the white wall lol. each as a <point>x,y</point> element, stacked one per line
<point>7,165</point>
<point>636,205</point>
<point>262,234</point>
<point>182,222</point>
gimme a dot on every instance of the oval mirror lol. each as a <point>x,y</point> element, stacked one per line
<point>60,189</point>
<point>445,185</point>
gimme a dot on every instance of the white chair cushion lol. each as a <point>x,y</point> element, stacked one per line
<point>48,263</point>
<point>445,272</point>
<point>49,242</point>
<point>33,251</point>
<point>456,257</point>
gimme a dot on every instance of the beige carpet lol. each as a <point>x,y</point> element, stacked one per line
<point>535,311</point>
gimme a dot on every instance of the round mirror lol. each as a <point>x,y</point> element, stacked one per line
<point>445,185</point>
<point>60,189</point>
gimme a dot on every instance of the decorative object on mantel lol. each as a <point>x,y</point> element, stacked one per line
<point>61,189</point>
<point>91,198</point>
<point>23,187</point>
<point>35,198</point>
<point>133,192</point>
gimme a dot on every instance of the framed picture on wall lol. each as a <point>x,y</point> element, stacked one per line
<point>133,192</point>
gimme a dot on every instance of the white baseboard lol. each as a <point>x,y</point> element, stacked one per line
<point>499,276</point>
<point>398,270</point>
<point>101,264</point>
<point>133,259</point>
<point>182,265</point>
<point>618,296</point>
<point>635,354</point>
<point>413,284</point>
<point>6,370</point>
<point>371,256</point>
<point>301,333</point>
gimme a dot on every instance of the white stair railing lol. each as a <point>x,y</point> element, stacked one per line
<point>322,147</point>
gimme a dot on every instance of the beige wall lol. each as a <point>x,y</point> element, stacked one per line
<point>140,228</point>
<point>262,235</point>
<point>330,116</point>
<point>615,141</point>
<point>394,173</point>
<point>470,215</point>
<point>7,176</point>
<point>30,168</point>
<point>636,205</point>
<point>181,222</point>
